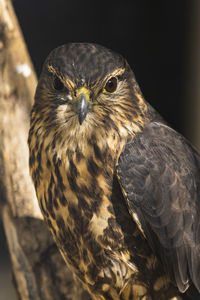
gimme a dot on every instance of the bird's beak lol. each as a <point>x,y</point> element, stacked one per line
<point>82,103</point>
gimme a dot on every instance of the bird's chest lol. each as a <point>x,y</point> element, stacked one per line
<point>83,205</point>
<point>75,197</point>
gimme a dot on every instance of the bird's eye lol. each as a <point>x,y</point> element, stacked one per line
<point>111,85</point>
<point>57,84</point>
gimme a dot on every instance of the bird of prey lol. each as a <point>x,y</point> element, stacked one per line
<point>118,188</point>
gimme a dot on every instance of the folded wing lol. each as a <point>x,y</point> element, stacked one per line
<point>159,173</point>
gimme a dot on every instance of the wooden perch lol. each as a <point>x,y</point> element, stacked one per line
<point>38,269</point>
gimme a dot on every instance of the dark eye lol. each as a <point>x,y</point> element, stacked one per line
<point>111,85</point>
<point>57,84</point>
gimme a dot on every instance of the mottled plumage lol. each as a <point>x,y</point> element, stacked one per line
<point>118,188</point>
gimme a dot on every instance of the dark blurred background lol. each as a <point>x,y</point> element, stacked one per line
<point>160,39</point>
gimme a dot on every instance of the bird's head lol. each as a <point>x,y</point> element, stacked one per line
<point>85,85</point>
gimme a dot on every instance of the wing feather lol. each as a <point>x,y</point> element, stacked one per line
<point>159,172</point>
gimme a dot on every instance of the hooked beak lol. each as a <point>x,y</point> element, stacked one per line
<point>82,104</point>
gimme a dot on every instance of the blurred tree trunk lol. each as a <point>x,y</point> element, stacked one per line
<point>38,270</point>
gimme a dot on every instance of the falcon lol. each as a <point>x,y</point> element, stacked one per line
<point>118,188</point>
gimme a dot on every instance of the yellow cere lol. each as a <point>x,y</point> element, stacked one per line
<point>82,91</point>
